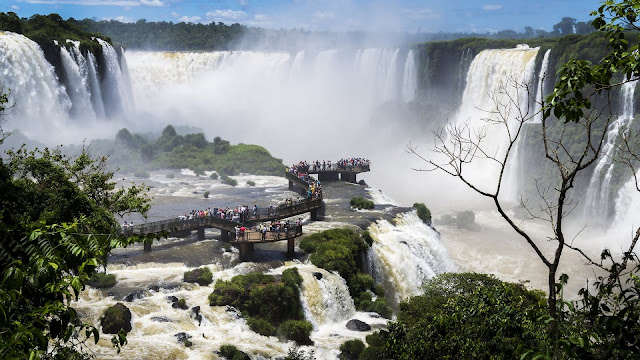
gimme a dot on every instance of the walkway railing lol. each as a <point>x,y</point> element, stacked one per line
<point>257,236</point>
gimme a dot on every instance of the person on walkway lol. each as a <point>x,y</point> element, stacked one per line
<point>242,231</point>
<point>264,232</point>
<point>237,228</point>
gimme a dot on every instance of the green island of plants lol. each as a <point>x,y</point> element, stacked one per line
<point>340,250</point>
<point>140,153</point>
<point>271,306</point>
<point>360,203</point>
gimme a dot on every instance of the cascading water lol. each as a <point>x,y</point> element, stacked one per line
<point>407,254</point>
<point>113,84</point>
<point>494,75</point>
<point>35,90</point>
<point>94,85</point>
<point>465,63</point>
<point>325,296</point>
<point>390,86</point>
<point>542,77</point>
<point>597,203</point>
<point>409,81</point>
<point>75,69</point>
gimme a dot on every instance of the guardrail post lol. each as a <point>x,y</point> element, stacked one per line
<point>201,233</point>
<point>314,215</point>
<point>291,242</point>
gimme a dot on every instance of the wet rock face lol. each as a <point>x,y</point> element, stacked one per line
<point>115,318</point>
<point>135,295</point>
<point>357,325</point>
<point>183,338</point>
<point>317,275</point>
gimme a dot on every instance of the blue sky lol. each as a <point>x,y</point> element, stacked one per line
<point>338,15</point>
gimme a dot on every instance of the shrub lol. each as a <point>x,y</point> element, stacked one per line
<point>366,236</point>
<point>361,203</point>
<point>261,326</point>
<point>502,319</point>
<point>231,352</point>
<point>296,330</point>
<point>228,181</point>
<point>251,183</point>
<point>423,212</point>
<point>201,276</point>
<point>227,247</point>
<point>206,194</point>
<point>102,280</point>
<point>260,296</point>
<point>214,175</point>
<point>141,174</point>
<point>351,350</point>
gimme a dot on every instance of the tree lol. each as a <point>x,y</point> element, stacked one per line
<point>466,316</point>
<point>566,26</point>
<point>57,226</point>
<point>569,109</point>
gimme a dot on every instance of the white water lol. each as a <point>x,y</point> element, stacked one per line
<point>76,73</point>
<point>542,78</point>
<point>491,78</point>
<point>113,85</point>
<point>409,80</point>
<point>94,84</point>
<point>597,203</point>
<point>35,90</point>
<point>407,253</point>
<point>626,219</point>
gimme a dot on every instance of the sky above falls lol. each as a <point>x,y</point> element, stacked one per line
<point>409,16</point>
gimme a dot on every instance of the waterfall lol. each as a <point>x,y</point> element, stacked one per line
<point>94,85</point>
<point>626,218</point>
<point>113,83</point>
<point>544,69</point>
<point>491,77</point>
<point>409,80</point>
<point>75,70</point>
<point>597,203</point>
<point>296,67</point>
<point>325,300</point>
<point>391,82</point>
<point>126,83</point>
<point>465,63</point>
<point>35,90</point>
<point>408,253</point>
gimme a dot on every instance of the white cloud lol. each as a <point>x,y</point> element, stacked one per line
<point>260,17</point>
<point>99,2</point>
<point>243,2</point>
<point>152,2</point>
<point>190,19</point>
<point>226,14</point>
<point>492,7</point>
<point>15,7</point>
<point>175,14</point>
<point>323,15</point>
<point>122,19</point>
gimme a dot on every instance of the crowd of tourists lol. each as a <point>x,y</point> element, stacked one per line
<point>351,163</point>
<point>301,170</point>
<point>238,214</point>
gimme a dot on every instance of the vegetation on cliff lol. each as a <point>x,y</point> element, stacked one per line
<point>272,306</point>
<point>340,250</point>
<point>142,152</point>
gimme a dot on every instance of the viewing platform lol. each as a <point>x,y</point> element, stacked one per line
<point>308,187</point>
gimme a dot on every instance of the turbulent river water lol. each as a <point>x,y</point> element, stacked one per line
<point>405,252</point>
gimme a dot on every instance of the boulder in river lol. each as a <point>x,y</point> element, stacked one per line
<point>115,318</point>
<point>357,325</point>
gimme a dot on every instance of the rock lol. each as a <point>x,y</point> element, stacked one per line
<point>172,299</point>
<point>115,318</point>
<point>160,319</point>
<point>198,318</point>
<point>234,312</point>
<point>135,295</point>
<point>183,338</point>
<point>201,276</point>
<point>196,310</point>
<point>357,325</point>
<point>180,304</point>
<point>317,275</point>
